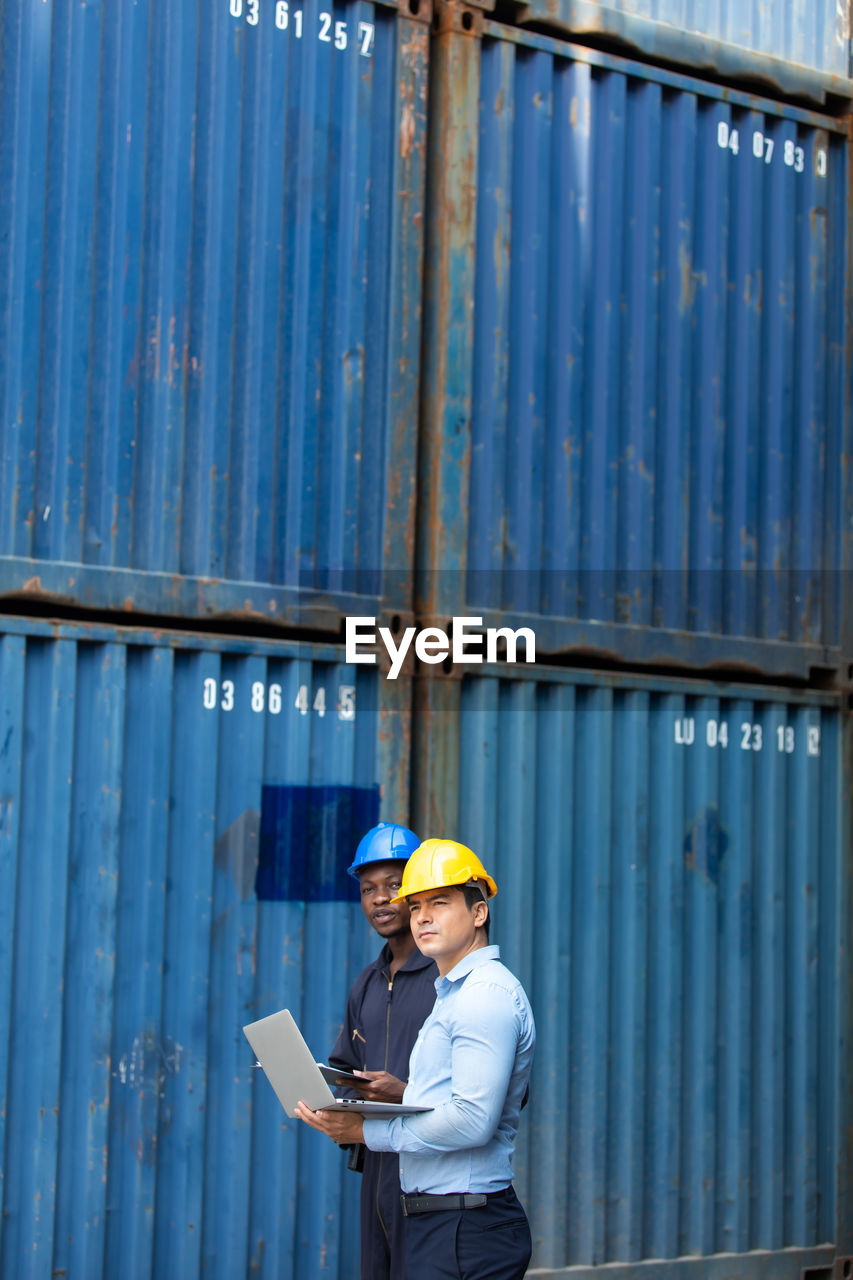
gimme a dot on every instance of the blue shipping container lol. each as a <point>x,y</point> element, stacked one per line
<point>641,441</point>
<point>798,47</point>
<point>210,272</point>
<point>175,819</point>
<point>672,883</point>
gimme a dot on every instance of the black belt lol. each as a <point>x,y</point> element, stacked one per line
<point>428,1204</point>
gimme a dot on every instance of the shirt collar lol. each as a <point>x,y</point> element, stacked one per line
<point>473,960</point>
<point>417,960</point>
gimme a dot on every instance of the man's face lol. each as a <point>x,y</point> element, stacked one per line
<point>442,925</point>
<point>380,882</point>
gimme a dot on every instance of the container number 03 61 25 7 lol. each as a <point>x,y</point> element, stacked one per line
<point>286,15</point>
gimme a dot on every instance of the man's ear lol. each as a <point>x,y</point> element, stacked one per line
<point>481,913</point>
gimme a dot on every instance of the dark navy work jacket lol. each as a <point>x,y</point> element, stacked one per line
<point>383,1017</point>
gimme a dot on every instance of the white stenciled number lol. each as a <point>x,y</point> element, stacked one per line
<point>717,735</point>
<point>236,8</point>
<point>252,13</point>
<point>301,702</point>
<point>794,156</point>
<point>297,23</point>
<point>281,15</point>
<point>275,699</point>
<point>813,740</point>
<point>320,702</point>
<point>325,26</point>
<point>820,162</point>
<point>365,36</point>
<point>227,702</point>
<point>340,35</point>
<point>750,737</point>
<point>346,702</point>
<point>727,138</point>
<point>209,694</point>
<point>257,696</point>
<point>762,146</point>
<point>785,738</point>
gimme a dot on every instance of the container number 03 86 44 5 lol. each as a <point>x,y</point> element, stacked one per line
<point>273,698</point>
<point>287,16</point>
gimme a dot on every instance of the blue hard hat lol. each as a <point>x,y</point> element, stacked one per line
<point>387,842</point>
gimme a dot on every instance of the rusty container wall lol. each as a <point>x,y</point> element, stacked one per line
<point>672,866</point>
<point>655,386</point>
<point>796,47</point>
<point>210,276</point>
<point>176,817</point>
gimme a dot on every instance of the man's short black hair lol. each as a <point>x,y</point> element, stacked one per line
<point>472,897</point>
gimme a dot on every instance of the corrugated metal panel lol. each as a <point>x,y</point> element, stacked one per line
<point>175,817</point>
<point>210,274</point>
<point>796,46</point>
<point>659,373</point>
<point>670,884</point>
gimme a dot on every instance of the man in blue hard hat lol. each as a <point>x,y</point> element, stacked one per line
<point>387,1006</point>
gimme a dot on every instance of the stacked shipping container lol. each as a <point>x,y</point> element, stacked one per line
<point>654,362</point>
<point>633,442</point>
<point>177,815</point>
<point>799,48</point>
<point>210,255</point>
<point>670,880</point>
<point>218,235</point>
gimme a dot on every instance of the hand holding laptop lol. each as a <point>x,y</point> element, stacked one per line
<point>341,1128</point>
<point>296,1078</point>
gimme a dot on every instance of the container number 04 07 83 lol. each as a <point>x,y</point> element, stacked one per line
<point>330,30</point>
<point>764,148</point>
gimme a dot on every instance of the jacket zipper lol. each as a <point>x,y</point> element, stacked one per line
<point>385,1068</point>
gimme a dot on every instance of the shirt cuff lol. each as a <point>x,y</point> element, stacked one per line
<point>377,1134</point>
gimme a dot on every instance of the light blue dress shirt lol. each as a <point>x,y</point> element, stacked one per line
<point>471,1063</point>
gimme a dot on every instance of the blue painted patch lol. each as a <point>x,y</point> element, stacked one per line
<point>705,844</point>
<point>308,836</point>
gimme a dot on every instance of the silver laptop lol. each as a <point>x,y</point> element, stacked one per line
<point>295,1076</point>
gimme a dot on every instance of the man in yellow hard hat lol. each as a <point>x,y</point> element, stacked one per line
<point>470,1064</point>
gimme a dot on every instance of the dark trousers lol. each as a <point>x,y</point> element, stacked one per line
<point>489,1243</point>
<point>383,1253</point>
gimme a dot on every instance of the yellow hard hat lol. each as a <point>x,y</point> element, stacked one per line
<point>439,863</point>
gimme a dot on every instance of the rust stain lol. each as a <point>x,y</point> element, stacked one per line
<point>407,122</point>
<point>689,279</point>
<point>753,290</point>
